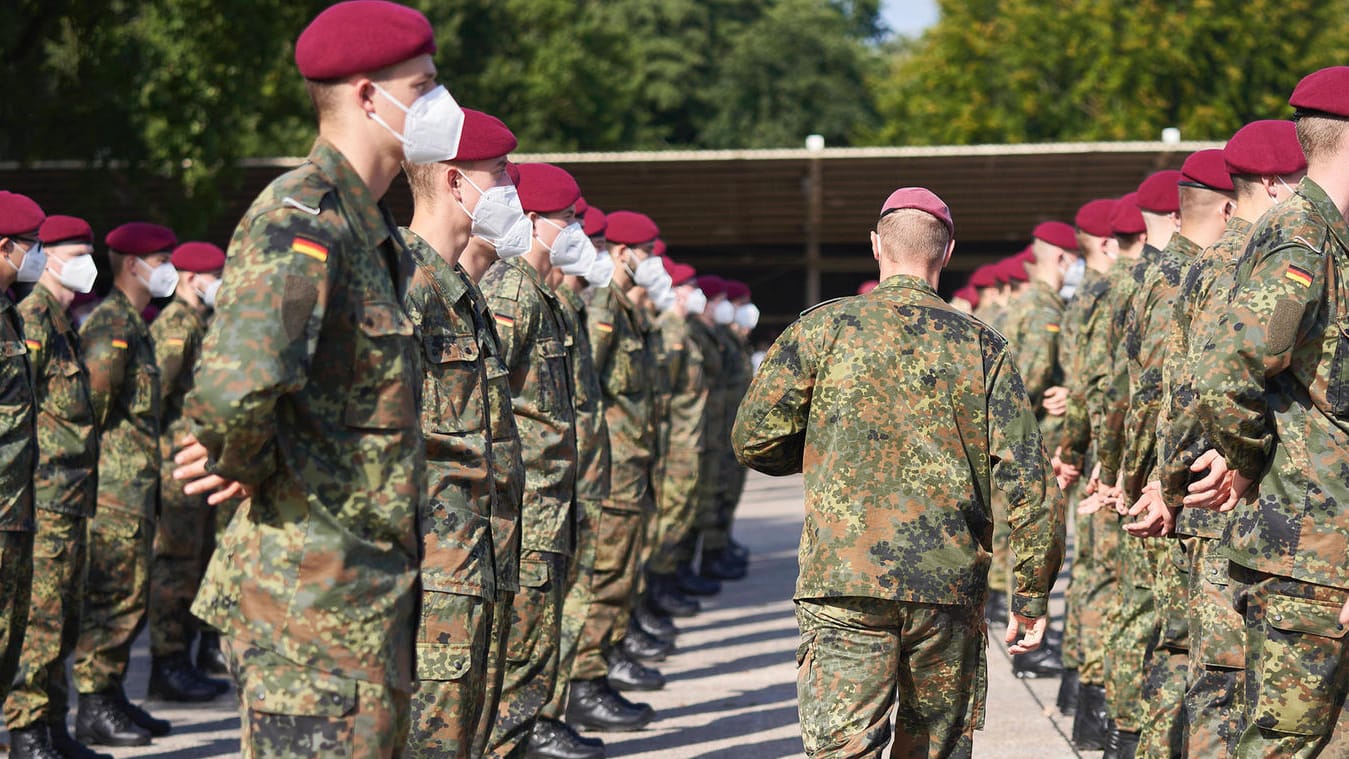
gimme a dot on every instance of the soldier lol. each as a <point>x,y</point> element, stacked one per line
<point>891,589</point>
<point>186,529</point>
<point>306,400</point>
<point>1272,380</point>
<point>729,558</point>
<point>717,436</point>
<point>465,410</point>
<point>124,383</point>
<point>20,220</point>
<point>533,341</point>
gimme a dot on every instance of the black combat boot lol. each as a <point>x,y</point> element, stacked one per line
<point>1042,662</point>
<point>690,583</point>
<point>664,598</point>
<point>654,624</point>
<point>626,673</point>
<point>1089,725</point>
<point>551,739</point>
<point>210,659</point>
<point>69,747</point>
<point>595,705</point>
<point>32,742</point>
<point>645,647</point>
<point>1067,700</point>
<point>158,728</point>
<point>102,721</point>
<point>719,565</point>
<point>173,678</point>
<point>1120,744</point>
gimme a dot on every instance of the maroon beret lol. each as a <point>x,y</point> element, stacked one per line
<point>1126,218</point>
<point>1265,148</point>
<point>484,137</point>
<point>736,290</point>
<point>140,238</point>
<point>983,277</point>
<point>594,222</point>
<point>1324,92</point>
<point>581,207</point>
<point>680,274</point>
<point>969,295</point>
<point>1094,217</point>
<point>19,214</point>
<point>1160,192</point>
<point>1014,269</point>
<point>631,228</point>
<point>922,199</point>
<point>712,285</point>
<point>545,188</point>
<point>1206,169</point>
<point>58,228</point>
<point>659,248</point>
<point>360,36</point>
<point>513,171</point>
<point>200,257</point>
<point>1056,233</point>
<point>867,286</point>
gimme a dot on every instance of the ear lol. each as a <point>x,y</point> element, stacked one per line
<point>950,248</point>
<point>875,245</point>
<point>363,89</point>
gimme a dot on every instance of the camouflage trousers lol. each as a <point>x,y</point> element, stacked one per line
<point>60,561</point>
<point>858,656</point>
<point>115,598</point>
<point>618,545</point>
<point>184,540</point>
<point>453,643</point>
<point>1079,579</point>
<point>1214,691</point>
<point>289,711</point>
<point>677,510</point>
<point>531,651</point>
<point>1297,667</point>
<point>1133,629</point>
<point>16,584</point>
<point>1164,727</point>
<point>732,487</point>
<point>705,499</point>
<point>576,606</point>
<point>1097,598</point>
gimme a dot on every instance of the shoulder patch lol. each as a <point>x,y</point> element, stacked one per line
<point>822,304</point>
<point>1298,275</point>
<point>307,247</point>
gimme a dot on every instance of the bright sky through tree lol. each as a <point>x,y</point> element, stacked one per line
<point>909,17</point>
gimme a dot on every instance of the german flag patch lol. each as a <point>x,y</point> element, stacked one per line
<point>309,248</point>
<point>504,320</point>
<point>33,345</point>
<point>176,341</point>
<point>604,327</point>
<point>1053,327</point>
<point>119,344</point>
<point>1298,275</point>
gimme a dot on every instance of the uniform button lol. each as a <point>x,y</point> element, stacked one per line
<point>1278,617</point>
<point>337,698</point>
<point>262,694</point>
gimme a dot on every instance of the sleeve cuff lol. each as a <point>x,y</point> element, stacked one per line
<point>1030,606</point>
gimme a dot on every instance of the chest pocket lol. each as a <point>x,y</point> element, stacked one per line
<point>452,402</point>
<point>15,380</point>
<point>382,395</point>
<point>145,402</point>
<point>499,409</point>
<point>68,392</point>
<point>629,373</point>
<point>553,380</point>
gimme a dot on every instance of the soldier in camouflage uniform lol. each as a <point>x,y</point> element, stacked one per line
<point>20,219</point>
<point>1272,380</point>
<point>891,589</point>
<point>124,383</point>
<point>736,372</point>
<point>307,399</point>
<point>533,340</point>
<point>186,529</point>
<point>717,432</point>
<point>464,573</point>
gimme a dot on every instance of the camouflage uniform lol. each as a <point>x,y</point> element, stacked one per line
<point>65,492</point>
<point>716,430</point>
<point>894,588</point>
<point>534,351</point>
<point>460,575</point>
<point>1272,379</point>
<point>18,461</point>
<point>681,434</point>
<point>124,385</point>
<point>307,391</point>
<point>736,372</point>
<point>592,488</point>
<point>186,529</point>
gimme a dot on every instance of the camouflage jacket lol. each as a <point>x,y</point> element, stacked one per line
<point>1034,336</point>
<point>470,529</point>
<point>626,369</point>
<point>905,416</point>
<point>737,370</point>
<point>177,334</point>
<point>308,391</point>
<point>124,387</point>
<point>67,464</point>
<point>1081,325</point>
<point>717,418</point>
<point>18,423</point>
<point>1272,378</point>
<point>534,350</point>
<point>684,426</point>
<point>592,433</point>
<point>1114,360</point>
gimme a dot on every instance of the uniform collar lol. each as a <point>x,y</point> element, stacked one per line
<point>1182,246</point>
<point>1326,209</point>
<point>450,283</point>
<point>905,282</point>
<point>357,200</point>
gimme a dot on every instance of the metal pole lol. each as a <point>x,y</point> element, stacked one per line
<point>814,222</point>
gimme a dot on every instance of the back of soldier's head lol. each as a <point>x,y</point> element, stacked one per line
<point>912,236</point>
<point>1322,103</point>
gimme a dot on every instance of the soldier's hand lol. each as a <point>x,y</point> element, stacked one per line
<point>1157,518</point>
<point>1344,613</point>
<point>1094,481</point>
<point>191,460</point>
<point>1090,505</point>
<point>1034,633</point>
<point>1056,401</point>
<point>1066,474</point>
<point>1213,491</point>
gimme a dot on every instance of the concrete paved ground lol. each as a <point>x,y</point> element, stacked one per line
<point>731,689</point>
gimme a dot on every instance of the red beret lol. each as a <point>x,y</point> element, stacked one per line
<point>983,277</point>
<point>659,248</point>
<point>513,171</point>
<point>19,214</point>
<point>361,36</point>
<point>581,206</point>
<point>969,295</point>
<point>1094,217</point>
<point>1265,148</point>
<point>1206,169</point>
<point>1056,233</point>
<point>1027,255</point>
<point>631,228</point>
<point>140,238</point>
<point>545,188</point>
<point>712,285</point>
<point>60,228</point>
<point>867,286</point>
<point>1322,93</point>
<point>200,257</point>
<point>1126,218</point>
<point>484,137</point>
<point>1014,269</point>
<point>680,274</point>
<point>922,199</point>
<point>735,289</point>
<point>594,223</point>
<point>1160,192</point>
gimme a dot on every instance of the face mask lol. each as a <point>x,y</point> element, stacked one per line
<point>432,128</point>
<point>648,272</point>
<point>163,279</point>
<point>1072,279</point>
<point>602,273</point>
<point>747,316</point>
<point>665,302</point>
<point>499,219</point>
<point>695,302</point>
<point>208,295</point>
<point>34,263</point>
<point>585,262</point>
<point>724,313</point>
<point>566,248</point>
<point>78,274</point>
<point>1290,190</point>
